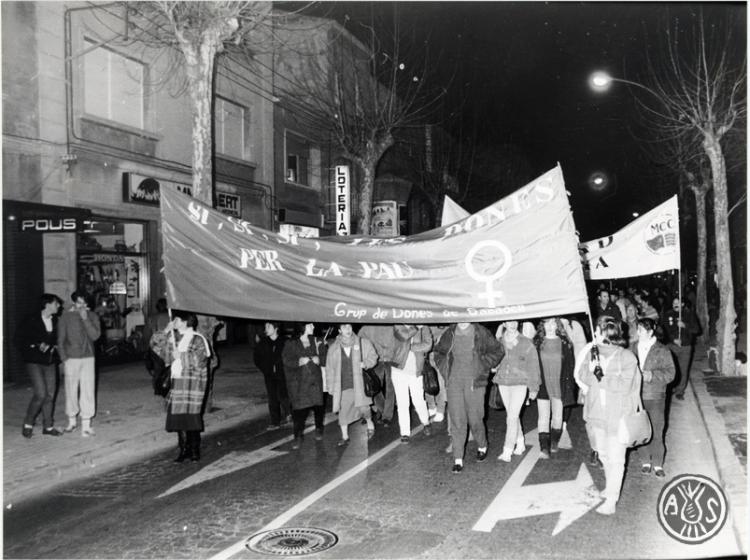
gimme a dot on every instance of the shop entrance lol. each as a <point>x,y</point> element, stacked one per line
<point>113,272</point>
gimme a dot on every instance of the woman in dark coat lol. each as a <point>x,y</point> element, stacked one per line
<point>558,390</point>
<point>187,352</point>
<point>303,357</point>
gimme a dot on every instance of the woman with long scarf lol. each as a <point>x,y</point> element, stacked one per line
<point>187,353</point>
<point>347,356</point>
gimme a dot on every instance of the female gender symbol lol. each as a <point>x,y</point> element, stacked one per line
<point>488,279</point>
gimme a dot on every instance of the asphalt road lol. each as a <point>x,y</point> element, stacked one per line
<point>382,498</point>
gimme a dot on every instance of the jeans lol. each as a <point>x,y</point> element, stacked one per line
<point>513,398</point>
<point>653,452</point>
<point>683,358</point>
<point>79,375</point>
<point>44,383</point>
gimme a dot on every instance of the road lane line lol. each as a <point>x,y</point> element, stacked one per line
<point>314,497</point>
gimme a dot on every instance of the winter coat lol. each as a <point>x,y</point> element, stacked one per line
<point>568,387</point>
<point>519,365</point>
<point>487,354</point>
<point>31,334</point>
<point>268,357</point>
<point>673,334</point>
<point>418,340</point>
<point>304,383</point>
<point>390,349</point>
<point>363,355</point>
<point>76,336</point>
<point>189,390</point>
<point>660,363</point>
<point>611,398</point>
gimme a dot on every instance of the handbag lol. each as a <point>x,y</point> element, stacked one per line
<point>634,429</point>
<point>495,400</point>
<point>163,381</point>
<point>430,382</point>
<point>371,382</point>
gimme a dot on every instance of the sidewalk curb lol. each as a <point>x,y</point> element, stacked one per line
<point>732,475</point>
<point>119,453</point>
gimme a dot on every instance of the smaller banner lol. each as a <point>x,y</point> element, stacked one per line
<point>647,245</point>
<point>452,212</point>
<point>384,219</point>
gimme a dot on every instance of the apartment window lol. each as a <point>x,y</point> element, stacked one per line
<point>297,160</point>
<point>231,129</point>
<point>113,86</point>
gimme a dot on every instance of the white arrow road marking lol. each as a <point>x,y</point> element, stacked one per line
<point>572,498</point>
<point>295,510</point>
<point>236,460</point>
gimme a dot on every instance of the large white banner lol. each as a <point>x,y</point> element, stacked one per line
<point>647,245</point>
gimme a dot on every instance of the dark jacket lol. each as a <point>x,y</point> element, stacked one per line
<point>660,363</point>
<point>304,383</point>
<point>568,385</point>
<point>268,357</point>
<point>487,354</point>
<point>418,340</point>
<point>612,310</point>
<point>672,331</point>
<point>31,334</point>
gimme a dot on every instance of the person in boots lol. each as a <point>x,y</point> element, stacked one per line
<point>303,358</point>
<point>558,390</point>
<point>267,357</point>
<point>657,367</point>
<point>465,354</point>
<point>517,374</point>
<point>188,352</point>
<point>77,331</point>
<point>610,379</point>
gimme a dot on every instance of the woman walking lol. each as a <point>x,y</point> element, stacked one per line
<point>346,358</point>
<point>558,389</point>
<point>303,357</point>
<point>610,380</point>
<point>188,353</point>
<point>517,373</point>
<point>464,355</point>
<point>658,371</point>
<point>407,379</point>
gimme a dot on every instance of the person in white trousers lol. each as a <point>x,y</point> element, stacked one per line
<point>77,330</point>
<point>407,380</point>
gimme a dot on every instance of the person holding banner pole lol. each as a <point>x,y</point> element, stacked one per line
<point>347,356</point>
<point>680,336</point>
<point>464,355</point>
<point>609,379</point>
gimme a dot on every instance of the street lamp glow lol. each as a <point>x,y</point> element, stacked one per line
<point>636,214</point>
<point>600,81</point>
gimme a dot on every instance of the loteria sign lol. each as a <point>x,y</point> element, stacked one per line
<point>343,200</point>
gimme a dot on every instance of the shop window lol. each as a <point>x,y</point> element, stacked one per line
<point>297,160</point>
<point>113,272</point>
<point>231,129</point>
<point>113,86</point>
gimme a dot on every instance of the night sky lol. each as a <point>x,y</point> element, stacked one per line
<point>520,69</point>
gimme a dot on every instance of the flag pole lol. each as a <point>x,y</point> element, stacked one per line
<point>679,312</point>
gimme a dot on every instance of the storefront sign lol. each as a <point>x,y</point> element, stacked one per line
<point>32,217</point>
<point>343,217</point>
<point>228,204</point>
<point>385,219</point>
<point>147,190</point>
<point>118,288</point>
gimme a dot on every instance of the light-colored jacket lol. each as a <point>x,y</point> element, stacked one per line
<point>363,355</point>
<point>611,398</point>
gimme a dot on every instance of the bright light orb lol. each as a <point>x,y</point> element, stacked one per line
<point>600,81</point>
<point>636,214</point>
<point>598,181</point>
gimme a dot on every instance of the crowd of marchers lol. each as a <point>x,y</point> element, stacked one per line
<point>636,349</point>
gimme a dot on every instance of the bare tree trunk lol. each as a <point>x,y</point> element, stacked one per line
<point>701,298</point>
<point>200,71</point>
<point>366,190</point>
<point>725,325</point>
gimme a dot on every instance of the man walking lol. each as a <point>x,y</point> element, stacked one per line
<point>77,331</point>
<point>680,336</point>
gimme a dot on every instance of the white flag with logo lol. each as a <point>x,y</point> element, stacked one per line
<point>647,245</point>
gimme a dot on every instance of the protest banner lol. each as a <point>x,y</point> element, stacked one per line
<point>515,259</point>
<point>646,245</point>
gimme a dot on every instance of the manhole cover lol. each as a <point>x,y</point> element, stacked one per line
<point>292,541</point>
